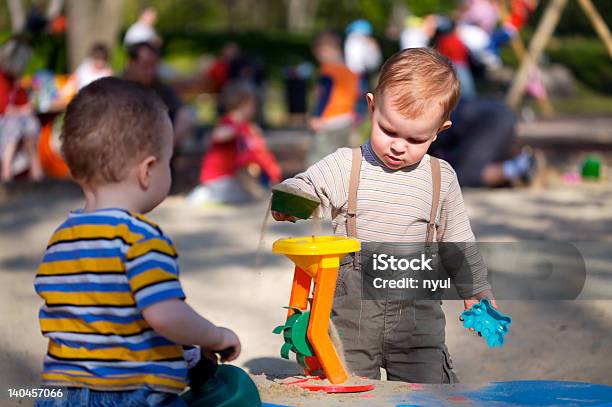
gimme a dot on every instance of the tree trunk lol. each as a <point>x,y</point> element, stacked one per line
<point>399,13</point>
<point>301,15</point>
<point>15,8</point>
<point>91,21</point>
<point>231,15</point>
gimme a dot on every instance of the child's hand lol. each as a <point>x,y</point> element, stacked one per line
<point>229,347</point>
<point>315,124</point>
<point>468,303</point>
<point>281,217</point>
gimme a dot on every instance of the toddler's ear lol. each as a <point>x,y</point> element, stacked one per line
<point>370,99</point>
<point>144,171</point>
<point>447,124</point>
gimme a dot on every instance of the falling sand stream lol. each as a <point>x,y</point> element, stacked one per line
<point>316,230</point>
<point>262,237</point>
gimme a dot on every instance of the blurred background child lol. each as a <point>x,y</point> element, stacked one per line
<point>336,98</point>
<point>237,166</point>
<point>363,56</point>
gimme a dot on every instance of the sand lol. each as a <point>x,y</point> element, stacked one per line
<point>564,340</point>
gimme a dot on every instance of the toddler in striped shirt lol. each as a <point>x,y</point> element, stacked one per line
<point>390,190</point>
<point>114,310</point>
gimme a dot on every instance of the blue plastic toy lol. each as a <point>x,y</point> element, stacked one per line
<point>487,321</point>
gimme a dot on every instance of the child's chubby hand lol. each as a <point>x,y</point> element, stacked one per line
<point>229,347</point>
<point>468,303</point>
<point>282,217</point>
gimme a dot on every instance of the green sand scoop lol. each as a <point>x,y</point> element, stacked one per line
<point>293,202</point>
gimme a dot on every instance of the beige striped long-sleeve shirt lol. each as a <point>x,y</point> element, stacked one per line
<point>392,205</point>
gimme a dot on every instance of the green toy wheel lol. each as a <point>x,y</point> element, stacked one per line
<point>295,334</point>
<point>299,335</point>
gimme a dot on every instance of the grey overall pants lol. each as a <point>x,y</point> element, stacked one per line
<point>406,338</point>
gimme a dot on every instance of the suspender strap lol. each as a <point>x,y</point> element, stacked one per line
<point>351,213</point>
<point>351,221</point>
<point>435,177</point>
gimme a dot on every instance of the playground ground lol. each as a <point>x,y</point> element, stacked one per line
<point>560,340</point>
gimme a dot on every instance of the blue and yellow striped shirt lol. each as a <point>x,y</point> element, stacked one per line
<point>99,271</point>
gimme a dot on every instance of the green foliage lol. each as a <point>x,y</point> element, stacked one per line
<point>423,7</point>
<point>588,60</point>
<point>337,14</point>
<point>574,21</point>
<point>275,49</point>
<point>180,15</point>
<point>586,57</point>
<point>212,15</point>
<point>586,101</point>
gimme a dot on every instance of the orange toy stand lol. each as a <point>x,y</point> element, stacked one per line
<point>317,258</point>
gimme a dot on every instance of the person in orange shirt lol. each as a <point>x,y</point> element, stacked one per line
<point>337,92</point>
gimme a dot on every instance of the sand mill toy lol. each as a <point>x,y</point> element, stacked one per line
<point>317,260</point>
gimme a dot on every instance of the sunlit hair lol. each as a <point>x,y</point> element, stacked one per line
<point>110,124</point>
<point>417,78</point>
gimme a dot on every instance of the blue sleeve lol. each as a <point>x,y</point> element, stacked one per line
<point>325,87</point>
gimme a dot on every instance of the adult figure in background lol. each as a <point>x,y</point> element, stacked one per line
<point>143,30</point>
<point>362,56</point>
<point>450,45</point>
<point>480,145</point>
<point>142,67</point>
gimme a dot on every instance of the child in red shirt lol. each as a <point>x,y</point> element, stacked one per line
<point>237,167</point>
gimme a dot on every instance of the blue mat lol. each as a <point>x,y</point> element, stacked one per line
<point>497,394</point>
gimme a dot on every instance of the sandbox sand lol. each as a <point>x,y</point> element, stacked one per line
<point>217,249</point>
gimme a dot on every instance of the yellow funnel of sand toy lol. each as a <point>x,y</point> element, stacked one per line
<point>317,258</point>
<point>315,252</point>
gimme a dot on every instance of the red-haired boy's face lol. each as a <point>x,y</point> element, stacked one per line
<point>399,141</point>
